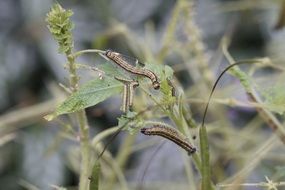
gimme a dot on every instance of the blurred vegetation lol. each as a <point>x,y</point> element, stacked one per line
<point>187,44</point>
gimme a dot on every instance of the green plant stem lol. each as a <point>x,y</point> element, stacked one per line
<point>170,30</point>
<point>188,118</point>
<point>197,46</point>
<point>122,157</point>
<point>189,171</point>
<point>180,123</point>
<point>73,78</point>
<point>100,136</point>
<point>77,54</point>
<point>107,157</point>
<point>205,159</point>
<point>85,150</point>
<point>253,161</point>
<point>83,128</point>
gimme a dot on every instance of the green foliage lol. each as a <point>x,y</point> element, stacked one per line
<point>166,89</point>
<point>111,70</point>
<point>242,76</point>
<point>60,26</point>
<point>90,94</point>
<point>131,122</point>
<point>275,98</point>
<point>163,71</point>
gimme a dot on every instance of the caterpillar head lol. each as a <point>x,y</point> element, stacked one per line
<point>156,85</point>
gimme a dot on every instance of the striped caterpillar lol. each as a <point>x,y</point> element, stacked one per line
<point>128,94</point>
<point>170,134</point>
<point>121,61</point>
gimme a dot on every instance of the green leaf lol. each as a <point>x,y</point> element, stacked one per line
<point>124,120</point>
<point>245,80</point>
<point>275,97</point>
<point>90,94</point>
<point>94,180</point>
<point>205,158</point>
<point>163,71</point>
<point>111,70</point>
<point>130,122</point>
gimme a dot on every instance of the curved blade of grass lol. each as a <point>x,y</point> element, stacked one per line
<point>204,145</point>
<point>205,159</point>
<point>90,94</point>
<point>94,180</point>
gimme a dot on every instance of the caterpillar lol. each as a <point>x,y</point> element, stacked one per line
<point>121,61</point>
<point>170,134</point>
<point>128,94</point>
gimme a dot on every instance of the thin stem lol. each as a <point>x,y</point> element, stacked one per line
<point>107,157</point>
<point>253,161</point>
<point>77,54</point>
<point>122,158</point>
<point>83,128</point>
<point>85,150</point>
<point>98,138</point>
